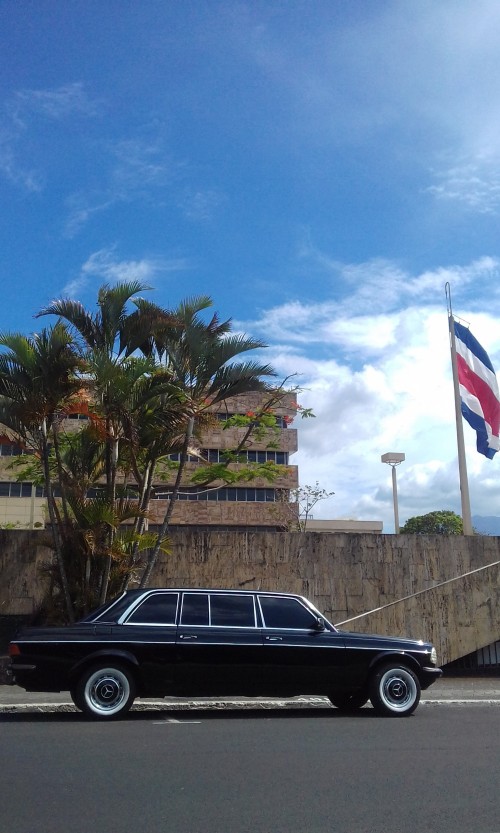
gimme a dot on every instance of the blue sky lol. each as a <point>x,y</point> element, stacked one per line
<point>321,169</point>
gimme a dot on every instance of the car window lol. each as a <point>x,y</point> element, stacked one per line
<point>158,609</point>
<point>235,611</point>
<point>195,609</point>
<point>285,613</point>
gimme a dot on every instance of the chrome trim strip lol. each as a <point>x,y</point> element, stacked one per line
<point>99,643</point>
<point>118,599</point>
<point>314,643</point>
<point>144,625</point>
<point>394,649</point>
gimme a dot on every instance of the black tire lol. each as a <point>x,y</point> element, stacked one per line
<point>76,700</point>
<point>105,691</point>
<point>349,702</point>
<point>394,690</point>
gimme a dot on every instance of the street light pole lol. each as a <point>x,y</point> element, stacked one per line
<point>393,459</point>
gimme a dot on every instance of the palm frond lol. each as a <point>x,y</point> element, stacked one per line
<point>76,315</point>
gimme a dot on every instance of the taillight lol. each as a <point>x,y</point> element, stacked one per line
<point>14,650</point>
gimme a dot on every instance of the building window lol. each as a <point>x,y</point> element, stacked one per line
<point>10,450</point>
<point>217,455</point>
<point>9,489</point>
<point>225,493</point>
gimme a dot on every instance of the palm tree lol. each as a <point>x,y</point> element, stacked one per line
<point>202,360</point>
<point>107,339</point>
<point>104,343</point>
<point>155,404</point>
<point>38,377</point>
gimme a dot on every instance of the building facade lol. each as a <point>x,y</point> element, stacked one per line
<point>256,503</point>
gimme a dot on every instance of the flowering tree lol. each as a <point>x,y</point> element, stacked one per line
<point>148,381</point>
<point>301,501</point>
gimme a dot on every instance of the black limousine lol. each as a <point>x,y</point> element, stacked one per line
<point>209,643</point>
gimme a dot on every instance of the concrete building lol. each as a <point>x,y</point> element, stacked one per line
<point>257,503</point>
<point>347,525</point>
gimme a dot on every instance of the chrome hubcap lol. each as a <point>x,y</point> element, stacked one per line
<point>398,690</point>
<point>106,692</point>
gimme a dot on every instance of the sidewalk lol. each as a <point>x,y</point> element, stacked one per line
<point>456,690</point>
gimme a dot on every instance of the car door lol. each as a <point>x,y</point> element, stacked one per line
<point>219,645</point>
<point>149,633</point>
<point>299,658</point>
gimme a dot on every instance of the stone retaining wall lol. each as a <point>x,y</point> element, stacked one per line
<point>344,574</point>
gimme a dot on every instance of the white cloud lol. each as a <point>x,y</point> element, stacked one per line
<point>474,184</point>
<point>201,205</point>
<point>361,311</point>
<point>57,103</point>
<point>104,266</point>
<point>12,170</point>
<point>82,207</point>
<point>384,383</point>
<point>139,164</point>
<point>418,80</point>
<point>19,117</point>
<point>134,169</point>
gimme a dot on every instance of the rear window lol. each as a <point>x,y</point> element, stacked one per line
<point>195,609</point>
<point>158,609</point>
<point>232,611</point>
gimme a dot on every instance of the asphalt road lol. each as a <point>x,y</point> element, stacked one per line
<point>313,771</point>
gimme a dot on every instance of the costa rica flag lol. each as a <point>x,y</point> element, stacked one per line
<point>480,399</point>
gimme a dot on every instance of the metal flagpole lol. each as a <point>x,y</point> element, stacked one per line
<point>462,465</point>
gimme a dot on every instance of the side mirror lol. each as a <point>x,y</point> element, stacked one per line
<point>319,624</point>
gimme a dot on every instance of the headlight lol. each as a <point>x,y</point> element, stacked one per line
<point>434,656</point>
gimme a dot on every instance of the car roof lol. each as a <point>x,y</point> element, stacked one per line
<point>232,590</point>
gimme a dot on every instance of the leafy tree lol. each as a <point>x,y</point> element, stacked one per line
<point>301,501</point>
<point>202,358</point>
<point>37,379</point>
<point>443,522</point>
<point>107,339</point>
<point>148,380</point>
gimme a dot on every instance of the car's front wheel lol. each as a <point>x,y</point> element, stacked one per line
<point>394,690</point>
<point>75,698</point>
<point>105,691</point>
<point>349,702</point>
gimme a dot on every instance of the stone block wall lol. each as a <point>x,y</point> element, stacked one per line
<point>345,574</point>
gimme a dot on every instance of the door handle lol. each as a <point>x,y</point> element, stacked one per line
<point>274,638</point>
<point>187,636</point>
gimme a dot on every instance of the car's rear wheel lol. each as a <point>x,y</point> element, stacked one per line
<point>349,702</point>
<point>105,691</point>
<point>394,690</point>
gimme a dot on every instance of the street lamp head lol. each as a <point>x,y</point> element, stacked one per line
<point>393,458</point>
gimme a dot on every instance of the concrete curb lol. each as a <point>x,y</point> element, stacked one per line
<point>227,705</point>
<point>454,691</point>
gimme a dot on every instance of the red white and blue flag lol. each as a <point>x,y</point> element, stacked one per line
<point>480,399</point>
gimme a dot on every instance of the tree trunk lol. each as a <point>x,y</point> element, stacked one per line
<point>168,514</point>
<point>54,525</point>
